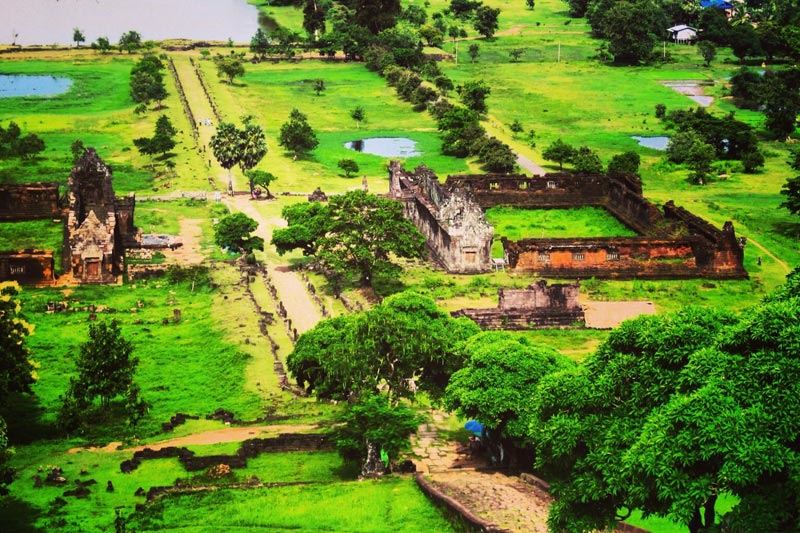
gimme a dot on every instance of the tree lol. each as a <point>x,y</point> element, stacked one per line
<point>560,152</point>
<point>17,368</point>
<point>6,452</point>
<point>259,44</point>
<point>370,428</point>
<point>306,222</point>
<point>319,86</point>
<point>234,232</point>
<point>431,35</point>
<point>498,382</point>
<point>77,148</point>
<point>147,80</point>
<point>229,67</point>
<point>29,146</point>
<point>486,20</point>
<point>495,155</point>
<point>473,51</point>
<point>791,190</point>
<point>473,95</point>
<point>515,54</point>
<point>349,166</point>
<point>105,364</point>
<point>633,29</point>
<point>358,114</point>
<point>530,3</point>
<point>586,161</point>
<point>444,84</point>
<point>164,135</point>
<point>782,102</point>
<point>624,163</point>
<point>460,130</point>
<point>708,50</point>
<point>78,37</point>
<point>314,12</point>
<point>260,178</point>
<point>701,155</point>
<point>225,147</point>
<point>357,233</point>
<point>463,9</point>
<point>296,135</point>
<point>251,146</point>
<point>751,161</point>
<point>130,41</point>
<point>102,44</point>
<point>146,146</point>
<point>589,426</point>
<point>406,337</point>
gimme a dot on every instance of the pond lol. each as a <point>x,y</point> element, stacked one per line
<point>657,143</point>
<point>45,22</point>
<point>20,85</point>
<point>385,146</point>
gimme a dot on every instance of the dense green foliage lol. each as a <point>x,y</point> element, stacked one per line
<point>296,135</point>
<point>235,231</point>
<point>355,232</point>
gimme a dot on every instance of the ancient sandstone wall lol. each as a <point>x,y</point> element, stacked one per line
<point>29,201</point>
<point>454,226</point>
<point>28,266</point>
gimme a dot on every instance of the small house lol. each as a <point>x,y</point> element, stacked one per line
<point>682,34</point>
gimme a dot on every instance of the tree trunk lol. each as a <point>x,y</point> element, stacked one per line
<point>695,524</point>
<point>373,466</point>
<point>710,513</point>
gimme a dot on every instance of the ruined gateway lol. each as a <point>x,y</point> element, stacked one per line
<point>671,244</point>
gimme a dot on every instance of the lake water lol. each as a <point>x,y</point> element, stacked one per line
<point>14,85</point>
<point>385,146</point>
<point>28,22</point>
<point>657,143</point>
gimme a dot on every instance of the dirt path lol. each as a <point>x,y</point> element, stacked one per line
<point>530,166</point>
<point>607,315</point>
<point>189,253</point>
<point>299,306</point>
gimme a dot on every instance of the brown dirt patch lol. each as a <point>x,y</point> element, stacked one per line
<point>607,315</point>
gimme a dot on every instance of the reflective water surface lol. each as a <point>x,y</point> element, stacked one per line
<point>22,85</point>
<point>28,22</point>
<point>385,146</point>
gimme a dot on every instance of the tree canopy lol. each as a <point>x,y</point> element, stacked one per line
<point>234,231</point>
<point>355,232</point>
<point>296,135</point>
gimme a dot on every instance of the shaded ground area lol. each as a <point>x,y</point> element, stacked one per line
<point>607,315</point>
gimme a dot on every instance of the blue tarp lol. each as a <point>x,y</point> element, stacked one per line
<point>474,426</point>
<point>719,4</point>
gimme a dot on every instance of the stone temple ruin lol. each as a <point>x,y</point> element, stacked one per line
<point>671,243</point>
<point>538,306</point>
<point>455,227</point>
<point>98,226</point>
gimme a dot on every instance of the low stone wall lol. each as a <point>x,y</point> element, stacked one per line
<point>28,267</point>
<point>29,201</point>
<point>455,510</point>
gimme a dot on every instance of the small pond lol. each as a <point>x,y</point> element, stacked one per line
<point>694,89</point>
<point>657,143</point>
<point>46,22</point>
<point>385,146</point>
<point>23,85</point>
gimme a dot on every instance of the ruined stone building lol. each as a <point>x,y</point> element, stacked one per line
<point>98,225</point>
<point>671,243</point>
<point>538,306</point>
<point>455,227</point>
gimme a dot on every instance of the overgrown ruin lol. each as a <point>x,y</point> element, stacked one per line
<point>98,226</point>
<point>458,236</point>
<point>538,306</point>
<point>671,243</point>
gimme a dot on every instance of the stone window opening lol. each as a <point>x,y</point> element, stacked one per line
<point>551,184</point>
<point>494,185</point>
<point>523,185</point>
<point>612,255</point>
<point>578,256</point>
<point>543,257</point>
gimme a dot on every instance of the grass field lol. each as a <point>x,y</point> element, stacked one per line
<point>215,357</point>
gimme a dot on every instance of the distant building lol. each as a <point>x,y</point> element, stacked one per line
<point>682,34</point>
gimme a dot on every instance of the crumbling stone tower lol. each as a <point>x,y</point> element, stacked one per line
<point>98,224</point>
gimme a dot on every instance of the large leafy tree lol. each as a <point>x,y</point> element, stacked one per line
<point>17,368</point>
<point>147,80</point>
<point>357,233</point>
<point>473,94</point>
<point>405,337</point>
<point>560,152</point>
<point>486,21</point>
<point>306,222</point>
<point>590,421</point>
<point>499,380</point>
<point>791,190</point>
<point>234,231</point>
<point>130,41</point>
<point>229,67</point>
<point>633,29</point>
<point>296,135</point>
